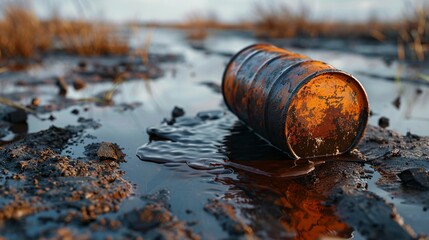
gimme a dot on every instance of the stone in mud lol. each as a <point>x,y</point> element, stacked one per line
<point>79,84</point>
<point>416,178</point>
<point>155,221</point>
<point>16,116</point>
<point>109,151</point>
<point>105,151</point>
<point>177,112</point>
<point>225,214</point>
<point>383,122</point>
<point>397,102</point>
<point>75,111</point>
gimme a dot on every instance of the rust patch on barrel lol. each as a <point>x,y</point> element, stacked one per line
<point>323,117</point>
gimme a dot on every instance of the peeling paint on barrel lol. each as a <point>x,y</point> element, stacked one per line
<point>305,107</point>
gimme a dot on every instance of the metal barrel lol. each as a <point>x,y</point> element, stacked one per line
<point>306,108</point>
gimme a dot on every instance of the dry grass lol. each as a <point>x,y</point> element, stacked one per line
<point>279,21</point>
<point>21,33</point>
<point>24,35</point>
<point>414,32</point>
<point>411,33</point>
<point>87,39</point>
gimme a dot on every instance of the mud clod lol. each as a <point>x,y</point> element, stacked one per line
<point>110,151</point>
<point>155,221</point>
<point>16,116</point>
<point>416,178</point>
<point>225,214</point>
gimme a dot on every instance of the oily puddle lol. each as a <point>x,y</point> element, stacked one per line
<point>295,193</point>
<point>217,141</point>
<point>262,185</point>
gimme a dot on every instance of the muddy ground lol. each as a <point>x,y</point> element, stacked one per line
<point>69,168</point>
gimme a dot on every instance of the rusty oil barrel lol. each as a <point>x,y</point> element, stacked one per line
<point>304,107</point>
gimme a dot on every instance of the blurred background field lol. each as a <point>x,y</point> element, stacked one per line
<point>95,27</point>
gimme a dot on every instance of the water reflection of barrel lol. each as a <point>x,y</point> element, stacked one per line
<point>305,107</point>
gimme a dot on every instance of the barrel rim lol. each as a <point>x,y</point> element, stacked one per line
<point>363,126</point>
<point>231,60</point>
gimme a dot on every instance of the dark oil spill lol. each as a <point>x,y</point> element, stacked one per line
<point>217,140</point>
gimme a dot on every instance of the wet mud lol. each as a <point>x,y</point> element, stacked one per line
<point>402,162</point>
<point>47,195</point>
<point>40,186</point>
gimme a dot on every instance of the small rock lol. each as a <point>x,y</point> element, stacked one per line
<point>109,151</point>
<point>75,111</point>
<point>416,178</point>
<point>79,84</point>
<point>51,117</point>
<point>16,116</point>
<point>177,112</point>
<point>82,65</point>
<point>419,91</point>
<point>383,122</point>
<point>397,102</point>
<point>62,85</point>
<point>35,102</point>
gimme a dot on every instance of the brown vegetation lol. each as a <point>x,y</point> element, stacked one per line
<point>414,32</point>
<point>279,21</point>
<point>23,34</point>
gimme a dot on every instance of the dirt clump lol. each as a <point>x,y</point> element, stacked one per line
<point>224,213</point>
<point>107,151</point>
<point>38,180</point>
<point>156,221</point>
<point>416,178</point>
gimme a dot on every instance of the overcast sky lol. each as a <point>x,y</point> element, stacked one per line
<point>226,10</point>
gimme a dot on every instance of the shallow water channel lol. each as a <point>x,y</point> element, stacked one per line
<point>264,191</point>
